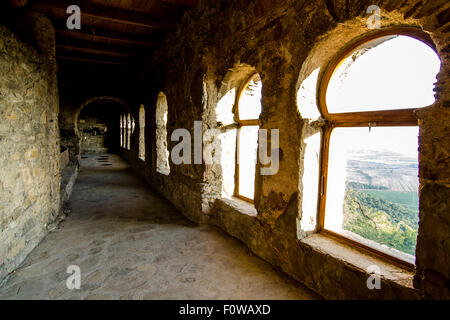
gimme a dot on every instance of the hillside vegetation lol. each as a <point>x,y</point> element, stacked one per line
<point>385,216</point>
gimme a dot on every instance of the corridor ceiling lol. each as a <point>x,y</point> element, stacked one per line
<point>114,33</point>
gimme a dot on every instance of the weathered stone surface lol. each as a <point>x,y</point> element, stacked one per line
<point>285,42</point>
<point>204,62</point>
<point>29,140</point>
<point>141,249</point>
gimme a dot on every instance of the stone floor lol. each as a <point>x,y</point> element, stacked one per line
<point>132,244</point>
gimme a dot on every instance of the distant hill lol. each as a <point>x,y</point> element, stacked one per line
<point>384,169</point>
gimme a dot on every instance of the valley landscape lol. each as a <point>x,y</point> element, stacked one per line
<point>381,199</point>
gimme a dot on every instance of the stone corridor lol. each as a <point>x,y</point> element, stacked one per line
<point>132,244</point>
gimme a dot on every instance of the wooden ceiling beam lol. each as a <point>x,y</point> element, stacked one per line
<point>72,67</point>
<point>105,13</point>
<point>96,45</point>
<point>92,51</point>
<point>184,3</point>
<point>88,60</point>
<point>119,49</point>
<point>18,3</point>
<point>106,36</point>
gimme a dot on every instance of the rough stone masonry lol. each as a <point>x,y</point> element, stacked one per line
<point>220,43</point>
<point>215,47</point>
<point>29,138</point>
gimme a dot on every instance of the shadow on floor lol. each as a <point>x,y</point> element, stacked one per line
<point>130,243</point>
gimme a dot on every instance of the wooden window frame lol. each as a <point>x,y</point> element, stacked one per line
<point>240,124</point>
<point>386,118</point>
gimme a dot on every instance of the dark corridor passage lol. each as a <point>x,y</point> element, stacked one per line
<point>98,127</point>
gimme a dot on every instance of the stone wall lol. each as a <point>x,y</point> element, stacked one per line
<point>285,42</point>
<point>29,137</point>
<point>69,137</point>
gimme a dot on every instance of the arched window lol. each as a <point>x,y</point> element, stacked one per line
<point>129,128</point>
<point>121,130</point>
<point>142,132</point>
<point>369,192</point>
<point>247,114</point>
<point>124,130</point>
<point>162,154</point>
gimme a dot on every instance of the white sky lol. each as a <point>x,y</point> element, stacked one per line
<point>401,140</point>
<point>250,105</point>
<point>399,73</point>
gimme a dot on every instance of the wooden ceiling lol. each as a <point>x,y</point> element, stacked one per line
<point>114,33</point>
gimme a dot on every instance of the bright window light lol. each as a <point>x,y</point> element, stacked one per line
<point>398,73</point>
<point>373,187</point>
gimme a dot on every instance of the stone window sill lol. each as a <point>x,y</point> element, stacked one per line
<point>240,206</point>
<point>359,259</point>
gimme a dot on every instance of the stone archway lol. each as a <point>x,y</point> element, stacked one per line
<point>75,138</point>
<point>95,99</point>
